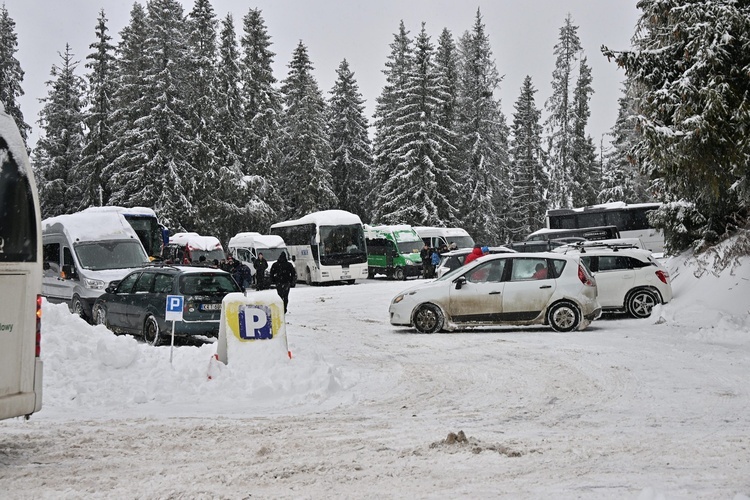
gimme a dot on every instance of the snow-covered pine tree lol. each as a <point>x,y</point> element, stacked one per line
<point>98,118</point>
<point>126,175</point>
<point>11,74</point>
<point>483,133</point>
<point>161,140</point>
<point>397,67</point>
<point>585,168</point>
<point>306,185</point>
<point>528,205</point>
<point>200,101</point>
<point>262,103</point>
<point>58,150</point>
<point>421,147</point>
<point>351,153</point>
<point>689,68</point>
<point>560,111</point>
<point>621,176</point>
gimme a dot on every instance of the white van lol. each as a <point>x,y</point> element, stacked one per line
<point>20,278</point>
<point>245,247</point>
<point>435,237</point>
<point>83,253</point>
<point>192,248</point>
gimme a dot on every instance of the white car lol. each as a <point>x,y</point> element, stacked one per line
<point>503,289</point>
<point>630,279</point>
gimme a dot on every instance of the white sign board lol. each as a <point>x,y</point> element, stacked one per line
<point>175,304</point>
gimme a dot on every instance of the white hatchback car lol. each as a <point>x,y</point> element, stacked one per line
<point>630,279</point>
<point>503,289</point>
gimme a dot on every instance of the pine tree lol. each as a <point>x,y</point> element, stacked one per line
<point>351,157</point>
<point>11,74</point>
<point>58,150</point>
<point>585,169</point>
<point>689,69</point>
<point>560,110</point>
<point>621,176</point>
<point>483,135</point>
<point>397,68</point>
<point>528,206</point>
<point>421,147</point>
<point>98,118</point>
<point>307,185</point>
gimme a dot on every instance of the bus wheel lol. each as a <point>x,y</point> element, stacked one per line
<point>399,274</point>
<point>151,331</point>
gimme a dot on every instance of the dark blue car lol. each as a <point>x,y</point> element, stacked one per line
<point>137,303</point>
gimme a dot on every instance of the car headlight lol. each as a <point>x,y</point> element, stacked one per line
<point>94,284</point>
<point>398,298</point>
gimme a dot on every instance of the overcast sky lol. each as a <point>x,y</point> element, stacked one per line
<point>522,33</point>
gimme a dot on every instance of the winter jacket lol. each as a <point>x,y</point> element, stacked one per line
<point>435,258</point>
<point>283,272</point>
<point>474,255</point>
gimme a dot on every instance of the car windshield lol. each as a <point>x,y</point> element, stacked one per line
<point>207,284</point>
<point>210,255</point>
<point>452,274</point>
<point>407,247</point>
<point>124,254</point>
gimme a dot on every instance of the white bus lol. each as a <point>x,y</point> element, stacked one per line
<point>630,220</point>
<point>327,246</point>
<point>20,278</point>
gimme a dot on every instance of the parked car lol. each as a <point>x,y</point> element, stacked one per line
<point>503,289</point>
<point>455,259</point>
<point>137,303</point>
<point>630,278</point>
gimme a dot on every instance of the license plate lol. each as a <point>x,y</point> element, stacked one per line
<point>210,307</point>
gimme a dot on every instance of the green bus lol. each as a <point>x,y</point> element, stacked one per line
<point>393,251</point>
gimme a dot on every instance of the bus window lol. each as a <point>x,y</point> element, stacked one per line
<point>590,220</point>
<point>17,216</point>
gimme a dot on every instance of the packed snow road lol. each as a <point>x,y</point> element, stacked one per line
<point>626,408</point>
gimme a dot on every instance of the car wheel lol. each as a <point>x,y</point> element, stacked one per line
<point>399,274</point>
<point>428,318</point>
<point>76,306</point>
<point>564,317</point>
<point>641,303</point>
<point>100,315</point>
<point>151,333</point>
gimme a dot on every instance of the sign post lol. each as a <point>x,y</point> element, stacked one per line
<point>175,304</point>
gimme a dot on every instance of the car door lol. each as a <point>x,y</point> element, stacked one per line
<point>479,297</point>
<point>614,278</point>
<point>137,303</point>
<point>525,296</point>
<point>117,301</point>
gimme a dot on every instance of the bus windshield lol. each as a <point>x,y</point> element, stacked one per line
<point>343,244</point>
<point>407,247</point>
<point>102,255</point>
<point>18,238</point>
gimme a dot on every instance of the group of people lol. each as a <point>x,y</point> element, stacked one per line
<point>431,258</point>
<point>282,274</point>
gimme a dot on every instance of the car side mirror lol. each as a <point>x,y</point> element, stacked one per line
<point>109,289</point>
<point>460,282</point>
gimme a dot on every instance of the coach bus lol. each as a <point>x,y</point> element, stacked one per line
<point>327,246</point>
<point>20,278</point>
<point>630,219</point>
<point>153,235</point>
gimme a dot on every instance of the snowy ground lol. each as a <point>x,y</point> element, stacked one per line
<point>642,409</point>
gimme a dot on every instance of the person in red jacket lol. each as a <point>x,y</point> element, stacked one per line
<point>475,254</point>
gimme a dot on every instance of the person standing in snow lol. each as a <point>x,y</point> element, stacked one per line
<point>425,254</point>
<point>284,276</point>
<point>261,265</point>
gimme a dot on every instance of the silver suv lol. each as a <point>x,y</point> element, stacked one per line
<point>629,278</point>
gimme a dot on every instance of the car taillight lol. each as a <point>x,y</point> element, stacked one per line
<point>663,277</point>
<point>584,276</point>
<point>38,325</point>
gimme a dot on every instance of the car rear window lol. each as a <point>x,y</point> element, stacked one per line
<point>207,284</point>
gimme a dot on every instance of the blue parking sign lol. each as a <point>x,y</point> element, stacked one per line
<point>175,304</point>
<point>255,322</point>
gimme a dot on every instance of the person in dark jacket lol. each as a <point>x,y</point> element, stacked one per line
<point>261,265</point>
<point>427,269</point>
<point>283,275</point>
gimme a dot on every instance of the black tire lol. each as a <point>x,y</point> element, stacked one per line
<point>76,307</point>
<point>640,303</point>
<point>350,282</point>
<point>564,317</point>
<point>428,318</point>
<point>399,274</point>
<point>370,273</point>
<point>151,333</point>
<point>100,315</point>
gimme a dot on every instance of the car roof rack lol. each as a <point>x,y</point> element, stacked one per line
<point>161,263</point>
<point>583,245</point>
